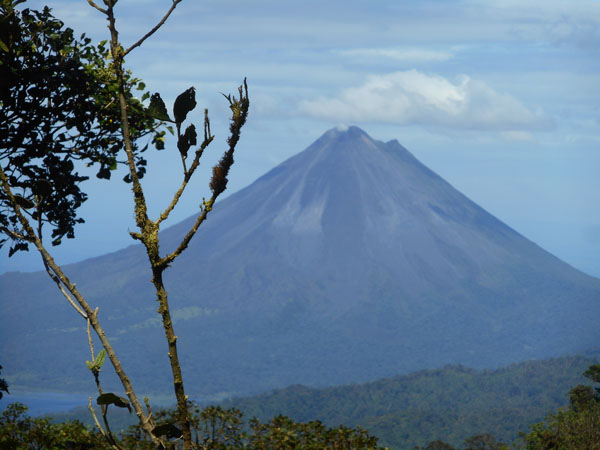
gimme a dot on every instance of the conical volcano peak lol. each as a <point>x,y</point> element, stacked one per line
<point>348,261</point>
<point>343,133</point>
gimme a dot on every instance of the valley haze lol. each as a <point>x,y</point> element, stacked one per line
<point>348,262</point>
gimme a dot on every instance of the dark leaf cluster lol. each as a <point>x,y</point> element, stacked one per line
<point>59,112</point>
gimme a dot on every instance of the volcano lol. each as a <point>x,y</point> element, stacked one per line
<point>348,262</point>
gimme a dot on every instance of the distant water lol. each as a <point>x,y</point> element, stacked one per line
<point>42,403</point>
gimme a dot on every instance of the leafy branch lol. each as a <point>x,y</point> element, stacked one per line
<point>83,110</point>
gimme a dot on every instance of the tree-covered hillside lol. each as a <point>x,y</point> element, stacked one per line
<point>453,406</point>
<point>450,404</point>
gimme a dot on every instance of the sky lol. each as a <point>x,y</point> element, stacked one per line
<point>499,97</point>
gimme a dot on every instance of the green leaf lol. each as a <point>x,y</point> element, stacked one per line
<point>146,96</point>
<point>100,358</point>
<point>89,364</point>
<point>157,108</point>
<point>113,166</point>
<point>167,429</point>
<point>3,46</point>
<point>141,86</point>
<point>112,399</point>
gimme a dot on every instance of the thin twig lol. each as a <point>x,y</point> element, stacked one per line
<point>186,179</point>
<point>185,172</point>
<point>155,29</point>
<point>112,441</point>
<point>91,341</point>
<point>96,372</point>
<point>62,289</point>
<point>94,5</point>
<point>149,411</point>
<point>14,234</point>
<point>96,421</point>
<point>188,237</point>
<point>108,436</point>
<point>141,209</point>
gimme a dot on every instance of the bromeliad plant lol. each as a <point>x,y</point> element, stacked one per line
<point>65,102</point>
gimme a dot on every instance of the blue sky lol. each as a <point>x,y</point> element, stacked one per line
<point>501,98</point>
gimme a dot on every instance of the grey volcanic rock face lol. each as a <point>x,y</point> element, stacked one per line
<point>348,262</point>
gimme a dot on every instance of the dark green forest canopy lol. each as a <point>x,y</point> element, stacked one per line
<point>451,404</point>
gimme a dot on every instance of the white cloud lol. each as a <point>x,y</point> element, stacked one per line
<point>412,97</point>
<point>416,55</point>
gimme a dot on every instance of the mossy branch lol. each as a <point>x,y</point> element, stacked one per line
<point>218,183</point>
<point>84,309</point>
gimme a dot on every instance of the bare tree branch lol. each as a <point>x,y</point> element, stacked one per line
<point>12,233</point>
<point>164,262</point>
<point>91,342</point>
<point>186,179</point>
<point>94,5</point>
<point>149,235</point>
<point>155,29</point>
<point>91,408</point>
<point>64,292</point>
<point>85,307</point>
<point>239,108</point>
<point>149,411</point>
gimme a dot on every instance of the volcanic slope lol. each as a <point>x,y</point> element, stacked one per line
<point>348,262</point>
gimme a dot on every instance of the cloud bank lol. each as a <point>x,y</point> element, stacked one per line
<point>415,98</point>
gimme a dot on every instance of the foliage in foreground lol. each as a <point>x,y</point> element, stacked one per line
<point>65,103</point>
<point>213,428</point>
<point>57,113</point>
<point>19,431</point>
<point>577,427</point>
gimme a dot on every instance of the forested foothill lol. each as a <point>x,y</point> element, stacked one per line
<point>534,405</point>
<point>449,404</point>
